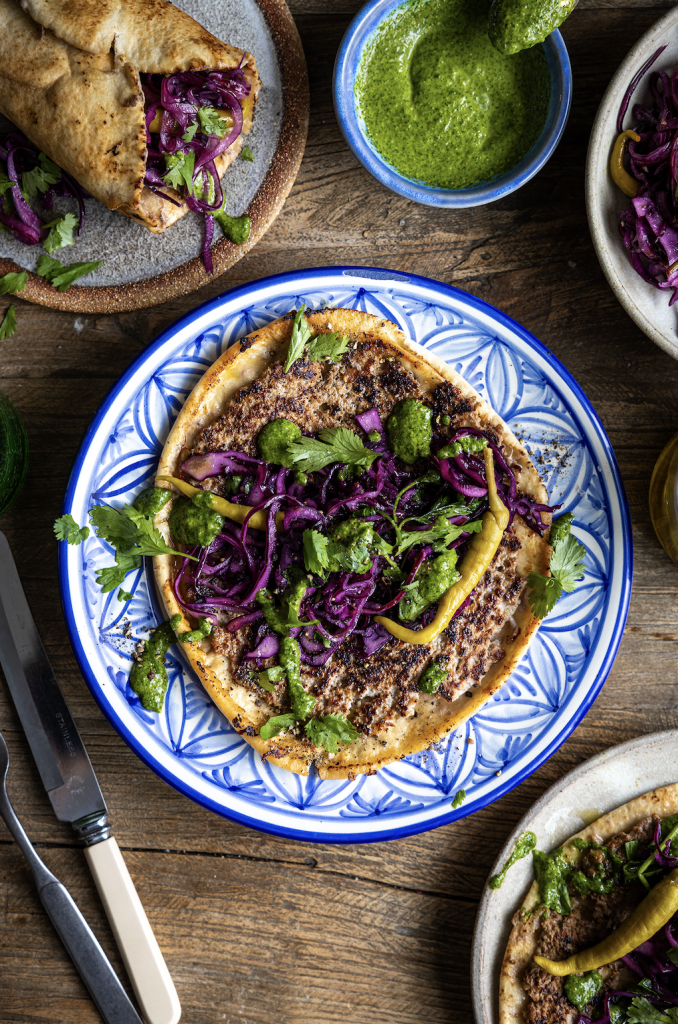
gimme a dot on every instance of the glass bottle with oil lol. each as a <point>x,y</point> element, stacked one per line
<point>664,498</point>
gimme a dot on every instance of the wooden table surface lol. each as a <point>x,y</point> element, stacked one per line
<point>258,929</point>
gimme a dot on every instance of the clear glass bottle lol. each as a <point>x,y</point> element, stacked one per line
<point>13,453</point>
<point>664,498</point>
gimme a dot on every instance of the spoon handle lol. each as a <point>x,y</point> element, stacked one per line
<point>87,955</point>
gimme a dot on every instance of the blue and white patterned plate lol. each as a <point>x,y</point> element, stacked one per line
<point>190,745</point>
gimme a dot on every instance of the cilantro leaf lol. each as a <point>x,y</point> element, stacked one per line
<point>8,325</point>
<point>40,178</point>
<point>440,535</point>
<point>641,1011</point>
<point>67,529</point>
<point>124,595</point>
<point>60,275</point>
<point>335,444</point>
<point>247,154</point>
<point>190,131</point>
<point>113,526</point>
<point>315,552</point>
<point>566,566</point>
<point>560,528</point>
<point>180,170</point>
<point>275,725</point>
<point>270,676</point>
<point>567,562</point>
<point>113,576</point>
<point>328,730</point>
<point>459,798</point>
<point>149,540</point>
<point>236,229</point>
<point>212,122</point>
<point>544,593</point>
<point>13,283</point>
<point>329,347</point>
<point>300,335</point>
<point>60,233</point>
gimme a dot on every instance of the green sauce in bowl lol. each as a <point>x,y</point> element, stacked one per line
<point>441,104</point>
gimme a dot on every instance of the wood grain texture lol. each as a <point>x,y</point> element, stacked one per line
<point>259,929</point>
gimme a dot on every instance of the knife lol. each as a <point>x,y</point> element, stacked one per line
<point>72,787</point>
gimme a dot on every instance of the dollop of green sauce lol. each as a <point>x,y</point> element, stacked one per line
<point>148,676</point>
<point>274,439</point>
<point>433,676</point>
<point>410,429</point>
<point>441,104</point>
<point>515,25</point>
<point>525,842</point>
<point>152,500</point>
<point>193,521</point>
<point>431,582</point>
<point>581,988</point>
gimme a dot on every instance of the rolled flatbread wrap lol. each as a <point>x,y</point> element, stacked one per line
<point>73,78</point>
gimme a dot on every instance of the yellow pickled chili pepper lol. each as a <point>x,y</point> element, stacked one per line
<point>620,176</point>
<point>237,513</point>
<point>656,910</point>
<point>482,550</point>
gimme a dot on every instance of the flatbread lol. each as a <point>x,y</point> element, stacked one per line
<point>245,362</point>
<point>69,79</point>
<point>523,940</point>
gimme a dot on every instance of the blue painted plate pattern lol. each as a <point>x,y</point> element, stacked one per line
<point>190,744</point>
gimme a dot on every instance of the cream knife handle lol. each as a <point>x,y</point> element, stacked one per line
<point>145,965</point>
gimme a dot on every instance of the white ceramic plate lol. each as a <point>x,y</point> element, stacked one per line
<point>190,744</point>
<point>608,780</point>
<point>648,306</point>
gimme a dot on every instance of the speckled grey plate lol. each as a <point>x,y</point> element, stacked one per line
<point>648,306</point>
<point>608,780</point>
<point>141,269</point>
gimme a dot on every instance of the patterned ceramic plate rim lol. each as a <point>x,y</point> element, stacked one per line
<point>201,319</point>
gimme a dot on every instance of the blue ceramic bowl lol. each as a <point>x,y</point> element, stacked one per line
<point>352,126</point>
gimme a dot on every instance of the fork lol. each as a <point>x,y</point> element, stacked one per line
<point>77,936</point>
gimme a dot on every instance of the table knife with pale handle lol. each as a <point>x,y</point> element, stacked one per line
<point>72,787</point>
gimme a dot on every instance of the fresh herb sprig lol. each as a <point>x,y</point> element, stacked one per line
<point>328,347</point>
<point>61,276</point>
<point>333,444</point>
<point>13,283</point>
<point>8,325</point>
<point>566,567</point>
<point>129,532</point>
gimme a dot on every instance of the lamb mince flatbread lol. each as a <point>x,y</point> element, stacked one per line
<point>609,854</point>
<point>379,694</point>
<point>70,80</point>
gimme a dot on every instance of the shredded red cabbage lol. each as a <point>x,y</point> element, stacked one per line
<point>180,97</point>
<point>649,227</point>
<point>18,156</point>
<point>241,561</point>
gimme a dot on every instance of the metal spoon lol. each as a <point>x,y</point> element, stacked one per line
<point>87,955</point>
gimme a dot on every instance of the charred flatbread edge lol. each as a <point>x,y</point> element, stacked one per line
<point>436,717</point>
<point>523,940</point>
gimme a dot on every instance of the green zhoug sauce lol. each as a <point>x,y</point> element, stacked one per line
<point>441,104</point>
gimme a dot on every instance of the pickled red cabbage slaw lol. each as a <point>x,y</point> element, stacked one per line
<point>189,142</point>
<point>339,605</point>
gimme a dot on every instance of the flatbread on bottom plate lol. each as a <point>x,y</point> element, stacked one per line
<point>524,938</point>
<point>244,389</point>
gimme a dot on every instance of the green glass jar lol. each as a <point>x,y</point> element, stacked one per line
<point>664,498</point>
<point>13,453</point>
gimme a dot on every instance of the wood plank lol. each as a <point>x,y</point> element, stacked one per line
<point>249,944</point>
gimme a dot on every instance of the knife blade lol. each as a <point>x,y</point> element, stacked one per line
<point>55,742</point>
<point>72,787</point>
